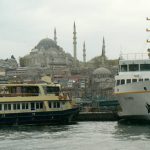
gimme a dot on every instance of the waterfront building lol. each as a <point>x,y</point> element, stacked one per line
<point>6,65</point>
<point>9,63</point>
<point>2,72</point>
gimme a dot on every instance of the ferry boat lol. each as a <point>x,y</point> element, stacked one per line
<point>35,104</point>
<point>132,87</point>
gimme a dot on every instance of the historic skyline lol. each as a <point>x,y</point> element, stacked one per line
<point>122,23</point>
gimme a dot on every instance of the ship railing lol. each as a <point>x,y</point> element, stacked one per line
<point>134,56</point>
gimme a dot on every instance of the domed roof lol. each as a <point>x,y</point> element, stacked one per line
<point>46,44</point>
<point>102,70</point>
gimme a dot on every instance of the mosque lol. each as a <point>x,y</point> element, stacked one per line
<point>102,76</point>
<point>48,54</point>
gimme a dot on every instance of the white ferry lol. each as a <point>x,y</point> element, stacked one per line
<point>132,87</point>
<point>35,104</point>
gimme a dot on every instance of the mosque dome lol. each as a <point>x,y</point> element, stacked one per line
<point>46,44</point>
<point>102,78</point>
<point>47,52</point>
<point>102,71</point>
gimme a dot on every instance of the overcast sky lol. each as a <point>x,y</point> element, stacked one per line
<point>23,23</point>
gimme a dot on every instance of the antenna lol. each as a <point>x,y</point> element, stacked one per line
<point>148,41</point>
<point>147,30</point>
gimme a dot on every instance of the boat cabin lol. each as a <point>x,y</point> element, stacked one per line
<point>31,97</point>
<point>12,90</point>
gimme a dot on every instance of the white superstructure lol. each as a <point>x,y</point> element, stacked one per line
<point>132,86</point>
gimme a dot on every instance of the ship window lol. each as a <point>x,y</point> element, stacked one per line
<point>123,68</point>
<point>7,106</point>
<point>145,67</point>
<point>128,80</point>
<point>14,106</point>
<point>37,105</point>
<point>0,106</point>
<point>122,81</point>
<point>30,90</point>
<point>32,106</point>
<point>118,82</point>
<point>23,105</point>
<point>27,106</point>
<point>56,104</point>
<point>52,90</point>
<point>25,90</point>
<point>140,80</point>
<point>133,67</point>
<point>134,80</point>
<point>146,79</point>
<point>50,105</point>
<point>18,106</point>
<point>41,105</point>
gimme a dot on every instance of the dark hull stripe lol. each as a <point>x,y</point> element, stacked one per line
<point>51,117</point>
<point>135,119</point>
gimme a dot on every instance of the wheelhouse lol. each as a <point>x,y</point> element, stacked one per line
<point>134,66</point>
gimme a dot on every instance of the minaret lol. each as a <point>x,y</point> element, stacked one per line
<point>84,54</point>
<point>103,52</point>
<point>75,45</point>
<point>55,37</point>
<point>103,47</point>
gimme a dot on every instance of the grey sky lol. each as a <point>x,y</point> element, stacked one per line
<point>23,23</point>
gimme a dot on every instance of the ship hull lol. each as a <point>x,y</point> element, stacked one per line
<point>50,117</point>
<point>134,100</point>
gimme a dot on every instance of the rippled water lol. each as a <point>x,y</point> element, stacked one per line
<point>81,136</point>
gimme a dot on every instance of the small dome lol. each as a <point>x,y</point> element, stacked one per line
<point>46,44</point>
<point>102,70</point>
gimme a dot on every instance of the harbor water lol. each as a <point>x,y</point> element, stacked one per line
<point>80,136</point>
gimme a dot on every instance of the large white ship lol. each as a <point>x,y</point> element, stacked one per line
<point>132,87</point>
